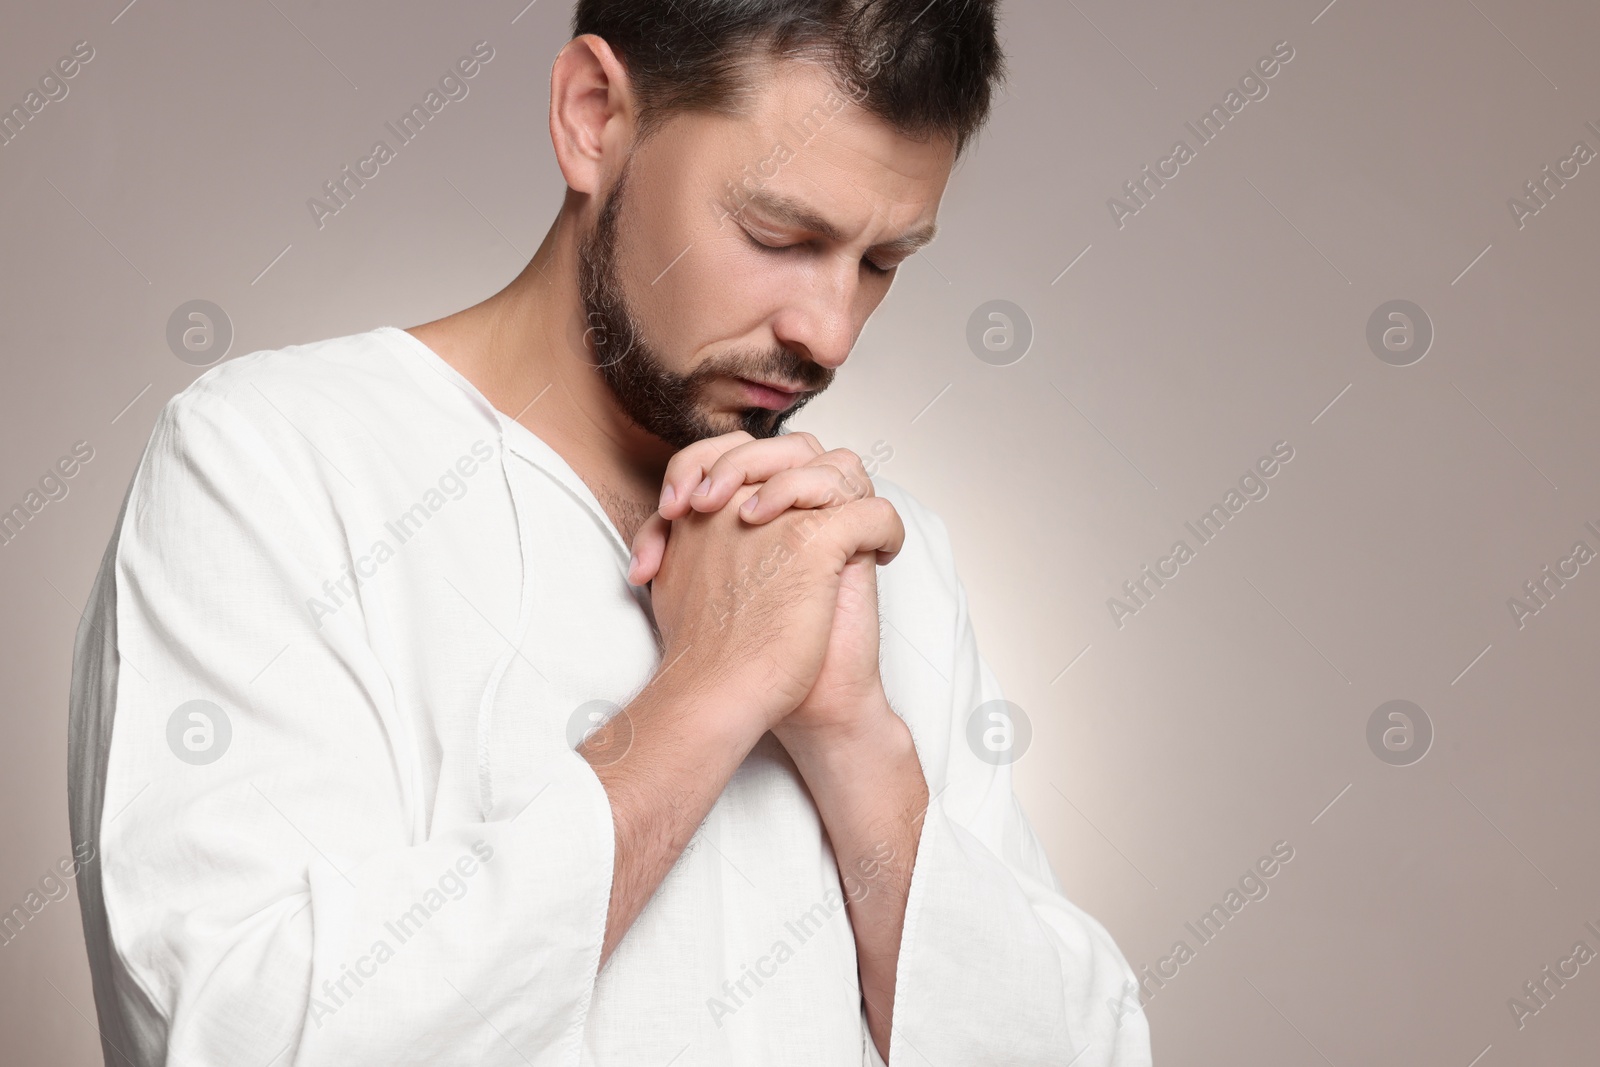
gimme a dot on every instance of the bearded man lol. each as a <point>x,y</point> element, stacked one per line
<point>509,689</point>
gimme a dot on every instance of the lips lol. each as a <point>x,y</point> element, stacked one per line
<point>773,397</point>
<point>776,387</point>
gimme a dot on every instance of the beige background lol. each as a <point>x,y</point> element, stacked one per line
<point>1225,316</point>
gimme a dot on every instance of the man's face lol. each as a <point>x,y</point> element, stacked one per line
<point>735,261</point>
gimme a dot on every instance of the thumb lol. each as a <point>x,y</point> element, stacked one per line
<point>649,546</point>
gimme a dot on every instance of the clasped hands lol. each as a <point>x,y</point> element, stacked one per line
<point>762,560</point>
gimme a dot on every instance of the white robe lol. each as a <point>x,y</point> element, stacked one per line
<point>376,845</point>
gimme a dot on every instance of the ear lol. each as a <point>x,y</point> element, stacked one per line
<point>592,115</point>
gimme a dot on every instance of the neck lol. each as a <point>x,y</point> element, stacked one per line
<point>523,349</point>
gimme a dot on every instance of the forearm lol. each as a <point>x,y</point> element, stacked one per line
<point>663,760</point>
<point>870,792</point>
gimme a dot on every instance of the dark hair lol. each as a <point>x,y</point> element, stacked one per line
<point>925,67</point>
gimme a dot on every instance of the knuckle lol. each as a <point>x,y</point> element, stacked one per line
<point>852,470</point>
<point>734,445</point>
<point>880,509</point>
<point>677,465</point>
<point>840,491</point>
<point>856,476</point>
<point>692,456</point>
<point>725,465</point>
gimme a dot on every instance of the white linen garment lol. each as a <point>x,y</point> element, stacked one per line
<point>349,627</point>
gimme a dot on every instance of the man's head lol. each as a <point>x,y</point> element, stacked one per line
<point>751,172</point>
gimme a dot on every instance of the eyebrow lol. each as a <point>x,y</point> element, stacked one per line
<point>788,211</point>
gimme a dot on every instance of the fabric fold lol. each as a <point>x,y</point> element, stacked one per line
<point>262,877</point>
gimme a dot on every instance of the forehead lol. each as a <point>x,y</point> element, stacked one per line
<point>801,137</point>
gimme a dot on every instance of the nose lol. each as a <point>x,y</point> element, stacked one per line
<point>824,317</point>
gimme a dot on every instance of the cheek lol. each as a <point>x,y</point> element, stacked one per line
<point>715,292</point>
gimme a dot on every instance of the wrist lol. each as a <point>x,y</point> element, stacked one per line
<point>867,734</point>
<point>747,688</point>
<point>714,717</point>
<point>867,783</point>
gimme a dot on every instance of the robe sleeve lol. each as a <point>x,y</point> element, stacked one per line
<point>273,891</point>
<point>996,965</point>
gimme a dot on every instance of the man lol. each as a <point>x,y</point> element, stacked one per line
<point>395,753</point>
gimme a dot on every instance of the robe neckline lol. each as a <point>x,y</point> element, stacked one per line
<point>516,437</point>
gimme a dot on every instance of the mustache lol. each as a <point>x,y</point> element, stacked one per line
<point>779,365</point>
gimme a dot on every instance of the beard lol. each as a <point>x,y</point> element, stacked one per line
<point>655,398</point>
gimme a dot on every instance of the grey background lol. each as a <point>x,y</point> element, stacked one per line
<point>1227,315</point>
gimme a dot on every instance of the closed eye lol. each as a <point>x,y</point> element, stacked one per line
<point>871,267</point>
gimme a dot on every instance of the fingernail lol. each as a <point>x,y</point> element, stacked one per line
<point>668,495</point>
<point>749,506</point>
<point>703,487</point>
